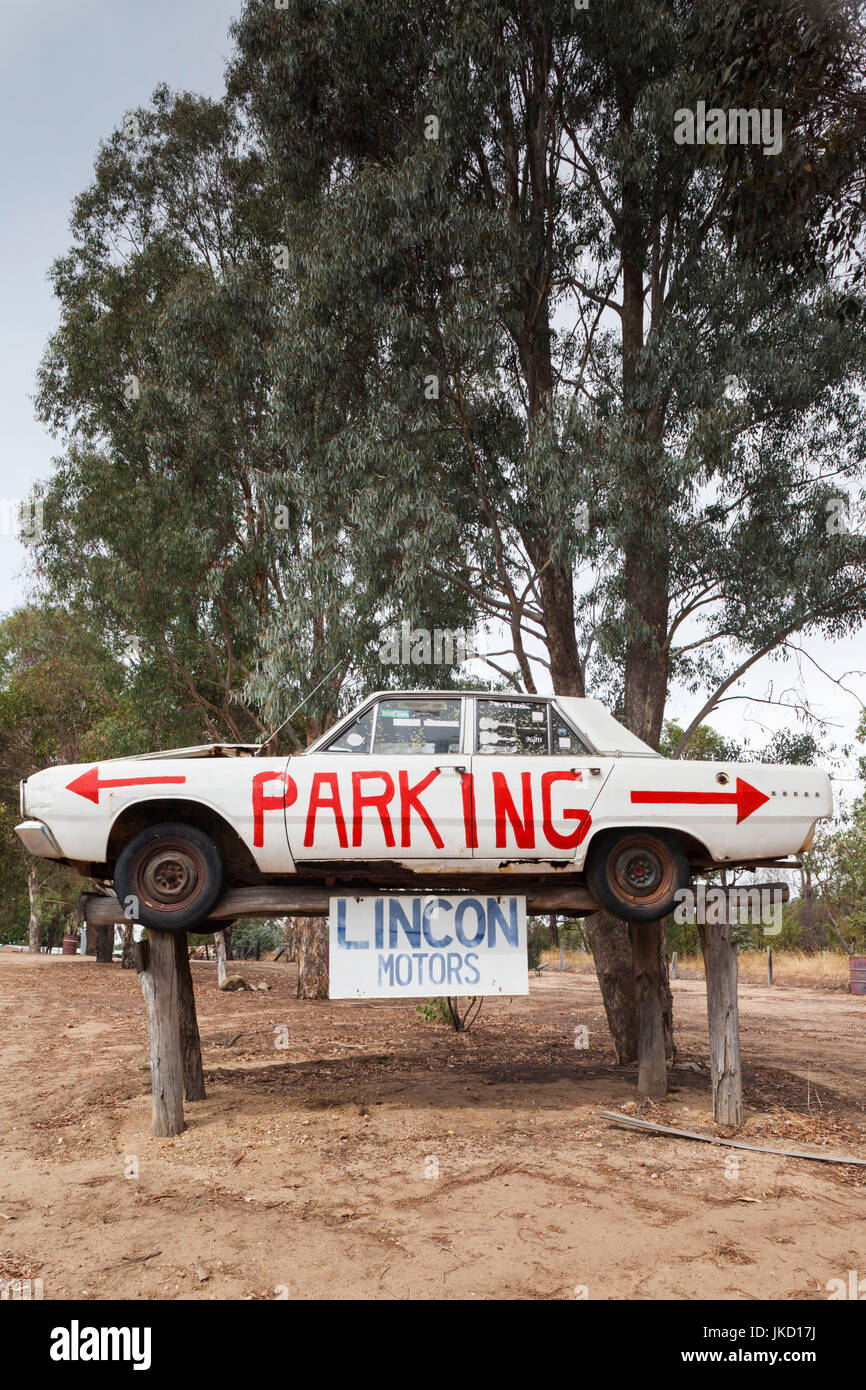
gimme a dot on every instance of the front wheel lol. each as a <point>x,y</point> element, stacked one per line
<point>169,876</point>
<point>636,874</point>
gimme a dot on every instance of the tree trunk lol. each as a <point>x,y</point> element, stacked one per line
<point>557,601</point>
<point>35,925</point>
<point>720,964</point>
<point>127,959</point>
<point>190,1041</point>
<point>291,951</point>
<point>554,931</point>
<point>646,956</point>
<point>219,943</point>
<point>103,944</point>
<point>666,997</point>
<point>159,985</point>
<point>312,958</point>
<point>611,952</point>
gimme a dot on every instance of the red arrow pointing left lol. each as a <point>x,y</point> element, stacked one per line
<point>88,784</point>
<point>746,798</point>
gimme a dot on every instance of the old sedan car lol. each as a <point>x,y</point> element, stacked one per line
<point>441,790</point>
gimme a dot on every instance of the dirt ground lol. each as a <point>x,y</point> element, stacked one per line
<point>379,1155</point>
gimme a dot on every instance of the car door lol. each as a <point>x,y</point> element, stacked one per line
<point>389,786</point>
<point>534,781</point>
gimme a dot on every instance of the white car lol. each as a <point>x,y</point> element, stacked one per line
<point>444,790</point>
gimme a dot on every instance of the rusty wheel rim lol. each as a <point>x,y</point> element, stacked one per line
<point>641,870</point>
<point>169,875</point>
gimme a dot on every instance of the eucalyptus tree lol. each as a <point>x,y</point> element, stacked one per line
<point>610,392</point>
<point>63,697</point>
<point>195,513</point>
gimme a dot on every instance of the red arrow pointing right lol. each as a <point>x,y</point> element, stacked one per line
<point>746,798</point>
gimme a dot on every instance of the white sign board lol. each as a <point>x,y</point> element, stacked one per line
<point>423,946</point>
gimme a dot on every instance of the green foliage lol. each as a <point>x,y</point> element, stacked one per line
<point>448,1011</point>
<point>62,699</point>
<point>434,1011</point>
<point>484,258</point>
<point>252,936</point>
<point>286,272</point>
<point>537,942</point>
<point>705,743</point>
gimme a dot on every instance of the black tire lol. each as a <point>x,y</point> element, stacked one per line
<point>175,872</point>
<point>635,874</point>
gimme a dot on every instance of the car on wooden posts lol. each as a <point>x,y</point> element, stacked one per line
<point>429,791</point>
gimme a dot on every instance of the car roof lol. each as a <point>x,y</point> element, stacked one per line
<point>590,717</point>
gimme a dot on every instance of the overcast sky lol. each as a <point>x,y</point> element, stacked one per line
<point>69,70</point>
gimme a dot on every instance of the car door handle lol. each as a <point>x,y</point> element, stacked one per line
<point>450,767</point>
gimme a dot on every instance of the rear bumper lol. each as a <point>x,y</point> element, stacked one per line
<point>37,838</point>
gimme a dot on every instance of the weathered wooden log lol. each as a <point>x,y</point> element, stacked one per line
<point>158,980</point>
<point>190,1040</point>
<point>721,966</point>
<point>280,900</point>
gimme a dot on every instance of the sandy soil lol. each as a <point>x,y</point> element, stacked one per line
<point>381,1156</point>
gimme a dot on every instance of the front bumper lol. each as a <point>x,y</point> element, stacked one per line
<point>37,838</point>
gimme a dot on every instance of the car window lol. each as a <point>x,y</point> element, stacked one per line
<point>355,738</point>
<point>512,726</point>
<point>417,726</point>
<point>563,739</point>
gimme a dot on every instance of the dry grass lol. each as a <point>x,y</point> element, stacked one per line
<point>824,967</point>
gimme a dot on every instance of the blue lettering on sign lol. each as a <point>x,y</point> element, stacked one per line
<point>342,940</point>
<point>379,919</point>
<point>397,917</point>
<point>443,968</point>
<point>429,909</point>
<point>509,928</point>
<point>470,904</point>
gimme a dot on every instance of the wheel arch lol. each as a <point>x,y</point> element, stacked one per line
<point>239,863</point>
<point>696,851</point>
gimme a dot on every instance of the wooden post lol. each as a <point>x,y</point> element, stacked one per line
<point>720,963</point>
<point>561,959</point>
<point>769,965</point>
<point>219,944</point>
<point>646,959</point>
<point>157,962</point>
<point>190,1041</point>
<point>674,965</point>
<point>35,925</point>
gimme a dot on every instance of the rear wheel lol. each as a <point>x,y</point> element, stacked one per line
<point>636,874</point>
<point>173,874</point>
